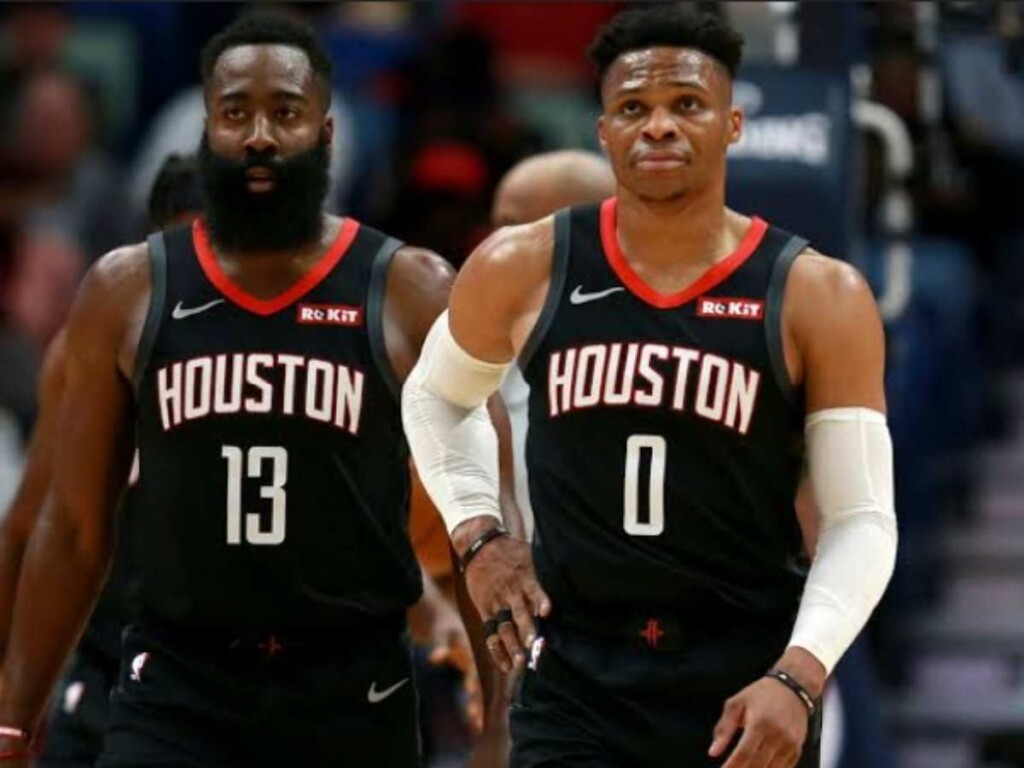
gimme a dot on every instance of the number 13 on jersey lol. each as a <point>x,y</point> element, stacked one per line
<point>654,524</point>
<point>257,456</point>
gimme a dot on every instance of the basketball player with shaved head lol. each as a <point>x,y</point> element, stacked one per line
<point>542,184</point>
<point>254,360</point>
<point>683,361</point>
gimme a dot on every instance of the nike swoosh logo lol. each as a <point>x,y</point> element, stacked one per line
<point>579,297</point>
<point>375,697</point>
<point>180,313</point>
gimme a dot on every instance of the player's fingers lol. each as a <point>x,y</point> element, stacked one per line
<point>471,683</point>
<point>474,700</point>
<point>475,716</point>
<point>440,655</point>
<point>725,728</point>
<point>539,600</point>
<point>523,620</point>
<point>498,653</point>
<point>747,753</point>
<point>509,638</point>
<point>461,658</point>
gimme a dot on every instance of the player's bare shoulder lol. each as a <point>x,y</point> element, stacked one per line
<point>521,251</point>
<point>823,286</point>
<point>501,289</point>
<point>828,302</point>
<point>417,270</point>
<point>511,269</point>
<point>112,302</point>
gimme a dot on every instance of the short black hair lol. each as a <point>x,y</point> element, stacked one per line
<point>675,25</point>
<point>270,28</point>
<point>176,190</point>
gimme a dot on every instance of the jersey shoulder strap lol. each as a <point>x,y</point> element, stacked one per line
<point>556,287</point>
<point>157,253</point>
<point>376,296</point>
<point>793,246</point>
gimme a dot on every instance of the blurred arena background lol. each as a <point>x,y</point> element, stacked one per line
<point>890,133</point>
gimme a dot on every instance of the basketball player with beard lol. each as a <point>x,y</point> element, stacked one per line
<point>683,359</point>
<point>76,725</point>
<point>254,361</point>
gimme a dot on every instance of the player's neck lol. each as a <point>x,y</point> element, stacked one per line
<point>267,273</point>
<point>697,229</point>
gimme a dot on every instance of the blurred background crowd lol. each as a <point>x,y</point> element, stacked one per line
<point>890,133</point>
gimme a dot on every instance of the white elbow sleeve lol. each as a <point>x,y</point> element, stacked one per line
<point>452,373</point>
<point>449,430</point>
<point>850,458</point>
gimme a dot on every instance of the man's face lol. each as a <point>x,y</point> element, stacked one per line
<point>265,151</point>
<point>668,120</point>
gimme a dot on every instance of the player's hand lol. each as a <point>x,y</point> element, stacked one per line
<point>504,588</point>
<point>449,642</point>
<point>450,645</point>
<point>774,724</point>
<point>473,694</point>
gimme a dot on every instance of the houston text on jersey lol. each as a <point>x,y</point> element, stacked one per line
<point>258,383</point>
<point>653,376</point>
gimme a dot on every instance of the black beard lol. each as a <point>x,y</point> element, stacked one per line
<point>285,218</point>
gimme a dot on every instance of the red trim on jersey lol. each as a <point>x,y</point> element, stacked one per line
<point>715,274</point>
<point>238,295</point>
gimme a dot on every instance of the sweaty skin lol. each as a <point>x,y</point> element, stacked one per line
<point>273,104</point>
<point>668,120</point>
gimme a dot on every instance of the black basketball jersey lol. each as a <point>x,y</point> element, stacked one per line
<point>274,477</point>
<point>665,441</point>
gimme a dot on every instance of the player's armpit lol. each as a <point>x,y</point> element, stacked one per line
<point>68,554</point>
<point>833,324</point>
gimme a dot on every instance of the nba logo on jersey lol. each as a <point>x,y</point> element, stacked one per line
<point>536,648</point>
<point>73,696</point>
<point>137,664</point>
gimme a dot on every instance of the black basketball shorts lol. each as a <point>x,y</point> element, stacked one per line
<point>257,701</point>
<point>584,703</point>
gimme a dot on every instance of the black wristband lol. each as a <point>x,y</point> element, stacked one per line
<point>790,682</point>
<point>489,535</point>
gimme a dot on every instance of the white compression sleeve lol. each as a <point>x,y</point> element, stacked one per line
<point>850,456</point>
<point>450,433</point>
